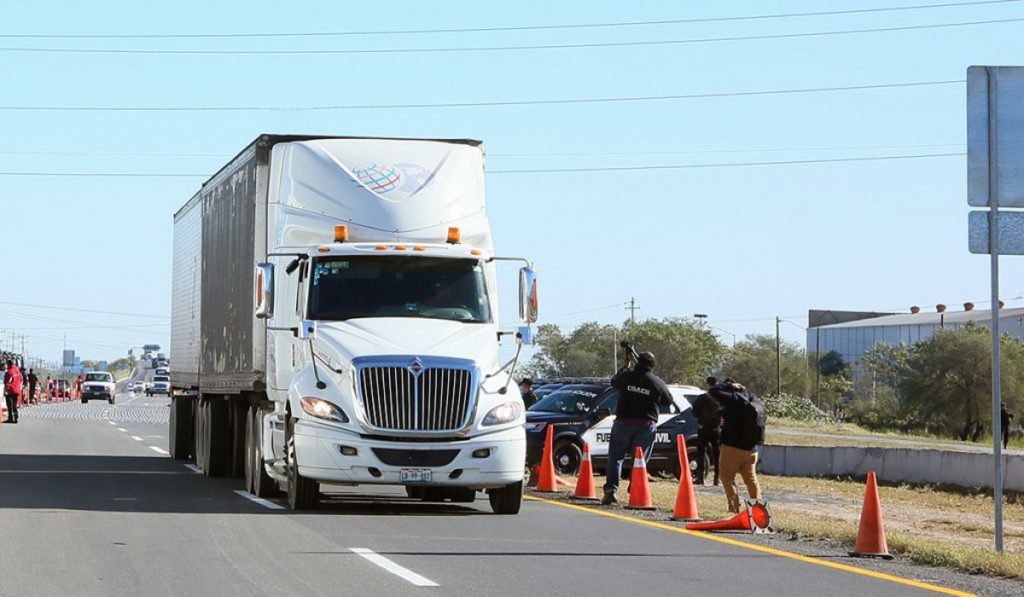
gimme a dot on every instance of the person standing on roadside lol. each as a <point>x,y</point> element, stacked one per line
<point>742,432</point>
<point>32,382</point>
<point>708,412</point>
<point>1005,415</point>
<point>641,392</point>
<point>12,390</point>
<point>526,390</point>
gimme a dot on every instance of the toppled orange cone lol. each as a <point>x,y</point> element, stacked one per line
<point>686,499</point>
<point>640,497</point>
<point>585,489</point>
<point>871,535</point>
<point>755,518</point>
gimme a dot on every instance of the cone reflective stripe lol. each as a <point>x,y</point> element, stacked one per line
<point>686,499</point>
<point>871,535</point>
<point>548,481</point>
<point>640,497</point>
<point>585,489</point>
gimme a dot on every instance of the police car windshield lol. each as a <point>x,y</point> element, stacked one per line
<point>398,286</point>
<point>570,400</point>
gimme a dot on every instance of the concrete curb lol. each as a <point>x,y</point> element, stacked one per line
<point>963,469</point>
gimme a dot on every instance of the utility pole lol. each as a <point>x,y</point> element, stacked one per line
<point>778,357</point>
<point>632,310</point>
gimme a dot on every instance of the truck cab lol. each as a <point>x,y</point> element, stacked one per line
<point>371,354</point>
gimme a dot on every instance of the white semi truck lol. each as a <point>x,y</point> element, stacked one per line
<point>335,320</point>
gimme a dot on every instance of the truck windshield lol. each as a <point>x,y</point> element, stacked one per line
<point>392,286</point>
<point>98,377</point>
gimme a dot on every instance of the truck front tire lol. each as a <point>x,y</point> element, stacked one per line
<point>303,493</point>
<point>507,499</point>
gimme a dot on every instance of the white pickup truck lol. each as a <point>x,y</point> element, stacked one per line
<point>98,385</point>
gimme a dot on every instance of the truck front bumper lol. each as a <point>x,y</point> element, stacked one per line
<point>453,464</point>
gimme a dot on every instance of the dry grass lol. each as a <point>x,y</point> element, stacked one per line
<point>936,526</point>
<point>809,433</point>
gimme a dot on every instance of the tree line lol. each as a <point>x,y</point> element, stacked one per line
<point>939,386</point>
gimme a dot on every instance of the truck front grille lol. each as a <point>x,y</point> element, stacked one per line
<point>416,398</point>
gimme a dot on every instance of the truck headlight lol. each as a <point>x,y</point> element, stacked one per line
<point>323,409</point>
<point>506,413</point>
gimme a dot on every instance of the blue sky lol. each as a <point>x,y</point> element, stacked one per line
<point>741,244</point>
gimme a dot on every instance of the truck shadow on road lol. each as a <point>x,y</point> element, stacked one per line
<point>161,485</point>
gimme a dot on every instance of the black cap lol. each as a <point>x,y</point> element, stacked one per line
<point>527,381</point>
<point>711,381</point>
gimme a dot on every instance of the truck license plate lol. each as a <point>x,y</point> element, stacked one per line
<point>415,475</point>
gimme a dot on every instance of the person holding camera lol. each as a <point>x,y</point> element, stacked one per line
<point>641,392</point>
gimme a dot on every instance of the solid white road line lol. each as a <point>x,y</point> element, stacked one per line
<point>265,503</point>
<point>159,450</point>
<point>393,568</point>
<point>136,438</point>
<point>195,469</point>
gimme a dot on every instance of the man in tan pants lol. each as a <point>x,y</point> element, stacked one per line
<point>742,431</point>
<point>734,460</point>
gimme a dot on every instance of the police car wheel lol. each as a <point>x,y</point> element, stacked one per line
<point>567,456</point>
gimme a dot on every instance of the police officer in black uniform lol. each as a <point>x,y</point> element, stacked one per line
<point>708,412</point>
<point>526,390</point>
<point>641,392</point>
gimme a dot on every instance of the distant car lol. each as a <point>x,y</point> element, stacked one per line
<point>161,385</point>
<point>98,385</point>
<point>160,371</point>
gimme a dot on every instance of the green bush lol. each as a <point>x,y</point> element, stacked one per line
<point>791,406</point>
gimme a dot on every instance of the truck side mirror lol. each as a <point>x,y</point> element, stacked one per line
<point>525,334</point>
<point>528,295</point>
<point>264,290</point>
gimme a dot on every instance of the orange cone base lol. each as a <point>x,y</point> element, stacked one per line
<point>679,519</point>
<point>641,508</point>
<point>883,556</point>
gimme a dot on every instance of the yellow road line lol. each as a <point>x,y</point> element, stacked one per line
<point>755,547</point>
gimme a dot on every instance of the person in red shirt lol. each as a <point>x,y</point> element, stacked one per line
<point>12,390</point>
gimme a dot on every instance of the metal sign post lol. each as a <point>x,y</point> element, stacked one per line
<point>995,179</point>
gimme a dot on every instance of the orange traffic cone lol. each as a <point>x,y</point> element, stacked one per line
<point>548,481</point>
<point>686,500</point>
<point>585,484</point>
<point>871,536</point>
<point>639,490</point>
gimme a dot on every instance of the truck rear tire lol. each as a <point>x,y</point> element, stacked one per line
<point>303,493</point>
<point>213,441</point>
<point>179,433</point>
<point>257,481</point>
<point>507,499</point>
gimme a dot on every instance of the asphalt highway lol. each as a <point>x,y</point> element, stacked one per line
<point>90,504</point>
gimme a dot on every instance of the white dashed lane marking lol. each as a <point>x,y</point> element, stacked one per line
<point>265,503</point>
<point>393,568</point>
<point>122,430</point>
<point>136,438</point>
<point>195,469</point>
<point>159,450</point>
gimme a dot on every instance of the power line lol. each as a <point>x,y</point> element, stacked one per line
<point>81,310</point>
<point>553,170</point>
<point>556,101</point>
<point>727,165</point>
<point>536,154</point>
<point>581,45</point>
<point>492,28</point>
